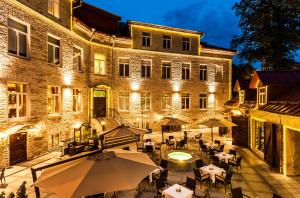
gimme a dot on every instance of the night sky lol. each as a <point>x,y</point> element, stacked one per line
<point>214,17</point>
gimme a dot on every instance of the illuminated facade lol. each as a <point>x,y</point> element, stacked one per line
<point>58,71</point>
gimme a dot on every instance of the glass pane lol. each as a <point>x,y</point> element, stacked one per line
<point>16,25</point>
<point>143,71</point>
<point>50,54</point>
<point>57,104</point>
<point>22,45</point>
<point>22,106</point>
<point>53,40</point>
<point>12,41</point>
<point>12,113</point>
<point>121,70</point>
<point>57,56</point>
<point>56,8</point>
<point>12,99</point>
<point>148,71</point>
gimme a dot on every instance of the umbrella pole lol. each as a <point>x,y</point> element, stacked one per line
<point>212,135</point>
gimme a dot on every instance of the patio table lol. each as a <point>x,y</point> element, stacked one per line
<point>176,141</point>
<point>171,192</point>
<point>224,156</point>
<point>156,171</point>
<point>212,170</point>
<point>211,145</point>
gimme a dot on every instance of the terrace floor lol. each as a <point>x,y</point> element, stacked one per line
<point>257,179</point>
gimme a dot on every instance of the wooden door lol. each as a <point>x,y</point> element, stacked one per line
<point>100,103</point>
<point>269,143</point>
<point>17,148</point>
<point>277,146</point>
<point>240,132</point>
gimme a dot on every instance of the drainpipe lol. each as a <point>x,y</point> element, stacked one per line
<point>112,40</point>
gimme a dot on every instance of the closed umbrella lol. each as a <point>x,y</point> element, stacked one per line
<point>213,122</point>
<point>112,170</point>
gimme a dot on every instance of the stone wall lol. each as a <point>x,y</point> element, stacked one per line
<point>292,152</point>
<point>38,74</point>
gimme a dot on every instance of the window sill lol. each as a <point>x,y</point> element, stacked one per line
<point>53,65</point>
<point>99,74</point>
<point>18,56</point>
<point>54,115</point>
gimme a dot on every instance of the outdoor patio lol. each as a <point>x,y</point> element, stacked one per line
<point>256,178</point>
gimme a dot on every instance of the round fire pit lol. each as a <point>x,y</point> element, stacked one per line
<point>181,160</point>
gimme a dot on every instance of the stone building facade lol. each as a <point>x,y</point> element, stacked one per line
<point>69,73</point>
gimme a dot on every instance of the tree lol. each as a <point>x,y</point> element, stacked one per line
<point>270,32</point>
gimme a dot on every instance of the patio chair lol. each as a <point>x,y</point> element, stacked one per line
<point>224,165</point>
<point>190,184</point>
<point>220,148</point>
<point>232,152</point>
<point>224,180</point>
<point>163,163</point>
<point>171,137</point>
<point>2,176</point>
<point>236,163</point>
<point>211,154</point>
<point>162,175</point>
<point>170,143</point>
<point>148,140</point>
<point>201,177</point>
<point>218,142</point>
<point>237,193</point>
<point>160,186</point>
<point>198,137</point>
<point>181,144</point>
<point>204,149</point>
<point>199,163</point>
<point>140,146</point>
<point>215,160</point>
<point>126,148</point>
<point>149,149</point>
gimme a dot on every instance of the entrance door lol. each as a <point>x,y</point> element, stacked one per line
<point>17,148</point>
<point>100,103</point>
<point>272,145</point>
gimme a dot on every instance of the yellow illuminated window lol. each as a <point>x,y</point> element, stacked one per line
<point>166,101</point>
<point>242,96</point>
<point>262,96</point>
<point>145,101</point>
<point>99,64</point>
<point>54,102</point>
<point>124,101</point>
<point>77,101</point>
<point>17,100</point>
<point>54,8</point>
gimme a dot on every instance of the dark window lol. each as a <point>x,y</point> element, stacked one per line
<point>186,44</point>
<point>186,71</point>
<point>203,101</point>
<point>124,67</point>
<point>203,72</point>
<point>185,101</point>
<point>146,69</point>
<point>17,38</point>
<point>146,39</point>
<point>166,41</point>
<point>53,51</point>
<point>166,70</point>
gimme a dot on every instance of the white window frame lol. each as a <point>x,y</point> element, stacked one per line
<point>17,107</point>
<point>185,101</point>
<point>78,107</point>
<point>203,100</point>
<point>166,99</point>
<point>123,98</point>
<point>146,39</point>
<point>262,96</point>
<point>189,69</point>
<point>124,67</point>
<point>146,60</point>
<point>53,4</point>
<point>163,67</point>
<point>201,68</point>
<point>184,43</point>
<point>147,100</point>
<point>54,47</point>
<point>17,34</point>
<point>242,96</point>
<point>167,40</point>
<point>54,103</point>
<point>75,56</point>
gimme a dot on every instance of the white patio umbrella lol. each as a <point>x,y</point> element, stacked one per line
<point>112,170</point>
<point>213,122</point>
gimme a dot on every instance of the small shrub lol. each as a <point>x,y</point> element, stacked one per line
<point>21,193</point>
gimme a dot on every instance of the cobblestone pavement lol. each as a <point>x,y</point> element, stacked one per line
<point>257,179</point>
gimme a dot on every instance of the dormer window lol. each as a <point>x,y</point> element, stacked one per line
<point>146,39</point>
<point>262,95</point>
<point>242,96</point>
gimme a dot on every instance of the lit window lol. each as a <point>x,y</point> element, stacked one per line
<point>124,101</point>
<point>17,100</point>
<point>146,69</point>
<point>186,44</point>
<point>77,58</point>
<point>54,7</point>
<point>53,100</point>
<point>185,101</point>
<point>259,135</point>
<point>145,101</point>
<point>166,101</point>
<point>146,39</point>
<point>99,64</point>
<point>17,38</point>
<point>124,67</point>
<point>262,96</point>
<point>186,71</point>
<point>203,101</point>
<point>53,50</point>
<point>203,72</point>
<point>166,70</point>
<point>166,41</point>
<point>77,100</point>
<point>242,96</point>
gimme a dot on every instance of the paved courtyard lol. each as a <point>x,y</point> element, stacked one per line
<point>257,178</point>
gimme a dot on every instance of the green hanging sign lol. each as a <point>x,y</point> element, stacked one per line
<point>99,94</point>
